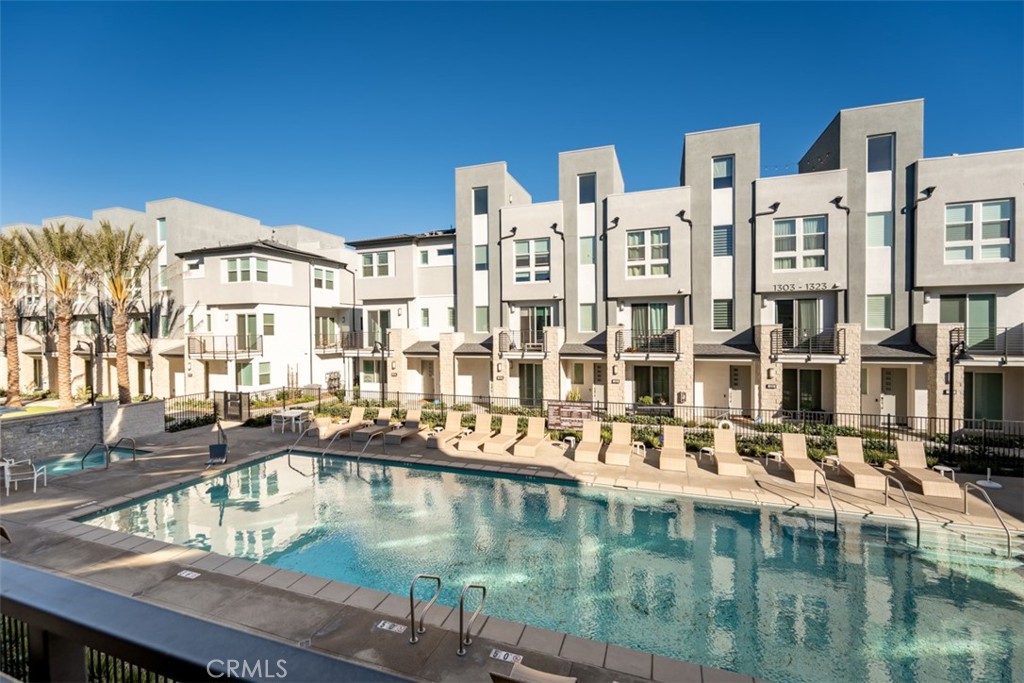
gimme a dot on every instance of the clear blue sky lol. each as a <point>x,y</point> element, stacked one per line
<point>352,117</point>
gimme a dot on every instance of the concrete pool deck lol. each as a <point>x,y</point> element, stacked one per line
<point>343,620</point>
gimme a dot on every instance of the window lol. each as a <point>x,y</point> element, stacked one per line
<point>577,373</point>
<point>721,314</point>
<point>482,321</point>
<point>323,278</point>
<point>268,324</point>
<point>371,371</point>
<point>424,317</point>
<point>588,188</point>
<point>722,240</point>
<point>209,322</point>
<point>863,381</point>
<point>165,325</point>
<point>191,323</point>
<point>587,249</point>
<point>87,328</point>
<point>161,229</point>
<point>651,382</point>
<point>451,316</point>
<point>880,153</point>
<point>195,265</point>
<point>244,270</point>
<point>163,283</point>
<point>446,252</point>
<point>424,258</point>
<point>326,330</point>
<point>879,232</point>
<point>264,373</point>
<point>879,312</point>
<point>722,172</point>
<point>243,375</point>
<point>480,257</point>
<point>647,253</point>
<point>261,270</point>
<point>953,309</point>
<point>800,243</point>
<point>588,317</point>
<point>992,240</point>
<point>479,201</point>
<point>377,264</point>
<point>232,270</point>
<point>533,260</point>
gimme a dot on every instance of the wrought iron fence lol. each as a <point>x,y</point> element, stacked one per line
<point>14,657</point>
<point>189,410</point>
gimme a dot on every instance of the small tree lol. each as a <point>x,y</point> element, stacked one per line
<point>13,268</point>
<point>120,258</point>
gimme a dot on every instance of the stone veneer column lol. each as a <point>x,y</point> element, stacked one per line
<point>554,338</point>
<point>615,375</point>
<point>682,369</point>
<point>769,388</point>
<point>500,367</point>
<point>399,339</point>
<point>934,338</point>
<point>846,383</point>
<point>448,342</point>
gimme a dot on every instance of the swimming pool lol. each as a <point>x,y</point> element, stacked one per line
<point>750,589</point>
<point>73,463</point>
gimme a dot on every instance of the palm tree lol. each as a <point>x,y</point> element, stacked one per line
<point>120,259</point>
<point>13,268</point>
<point>56,253</point>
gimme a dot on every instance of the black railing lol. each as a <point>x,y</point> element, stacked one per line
<point>991,341</point>
<point>645,341</point>
<point>224,346</point>
<point>350,340</point>
<point>521,340</point>
<point>830,342</point>
<point>188,410</point>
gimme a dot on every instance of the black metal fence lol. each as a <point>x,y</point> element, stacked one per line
<point>196,410</point>
<point>14,655</point>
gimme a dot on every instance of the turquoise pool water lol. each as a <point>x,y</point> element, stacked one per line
<point>749,589</point>
<point>73,463</point>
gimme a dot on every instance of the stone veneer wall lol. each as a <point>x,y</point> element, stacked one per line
<point>846,387</point>
<point>501,368</point>
<point>554,337</point>
<point>682,369</point>
<point>769,398</point>
<point>934,337</point>
<point>447,344</point>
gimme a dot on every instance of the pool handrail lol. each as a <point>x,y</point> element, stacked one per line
<point>125,438</point>
<point>835,512</point>
<point>413,629</point>
<point>333,439</point>
<point>292,447</point>
<point>106,454</point>
<point>464,637</point>
<point>369,440</point>
<point>222,438</point>
<point>888,478</point>
<point>971,484</point>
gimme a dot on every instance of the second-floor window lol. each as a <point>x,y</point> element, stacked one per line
<point>377,264</point>
<point>721,172</point>
<point>647,253</point>
<point>323,278</point>
<point>800,243</point>
<point>722,240</point>
<point>979,231</point>
<point>240,269</point>
<point>268,324</point>
<point>533,260</point>
<point>424,317</point>
<point>480,257</point>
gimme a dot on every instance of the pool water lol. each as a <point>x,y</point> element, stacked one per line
<point>750,589</point>
<point>73,463</point>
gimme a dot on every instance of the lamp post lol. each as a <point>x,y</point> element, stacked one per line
<point>377,346</point>
<point>956,348</point>
<point>92,359</point>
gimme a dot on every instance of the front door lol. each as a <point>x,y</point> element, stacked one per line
<point>983,396</point>
<point>739,383</point>
<point>427,371</point>
<point>531,383</point>
<point>801,389</point>
<point>893,398</point>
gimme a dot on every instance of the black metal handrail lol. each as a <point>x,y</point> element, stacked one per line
<point>349,340</point>
<point>991,341</point>
<point>831,341</point>
<point>224,346</point>
<point>528,340</point>
<point>646,341</point>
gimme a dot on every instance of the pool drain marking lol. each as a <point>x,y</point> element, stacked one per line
<point>186,574</point>
<point>503,656</point>
<point>386,625</point>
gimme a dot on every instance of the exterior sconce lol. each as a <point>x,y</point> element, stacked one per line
<point>927,297</point>
<point>500,367</point>
<point>771,373</point>
<point>393,365</point>
<point>399,312</point>
<point>615,369</point>
<point>681,397</point>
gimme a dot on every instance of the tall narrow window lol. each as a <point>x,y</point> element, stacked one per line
<point>424,317</point>
<point>161,229</point>
<point>880,153</point>
<point>243,375</point>
<point>425,257</point>
<point>232,270</point>
<point>588,188</point>
<point>164,282</point>
<point>722,172</point>
<point>588,317</point>
<point>879,312</point>
<point>451,316</point>
<point>261,270</point>
<point>244,274</point>
<point>722,240</point>
<point>480,201</point>
<point>587,248</point>
<point>268,324</point>
<point>879,229</point>
<point>482,322</point>
<point>577,373</point>
<point>480,257</point>
<point>721,314</point>
<point>264,373</point>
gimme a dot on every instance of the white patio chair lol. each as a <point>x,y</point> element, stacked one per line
<point>22,470</point>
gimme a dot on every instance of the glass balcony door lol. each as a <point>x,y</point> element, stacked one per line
<point>380,323</point>
<point>532,321</point>
<point>247,335</point>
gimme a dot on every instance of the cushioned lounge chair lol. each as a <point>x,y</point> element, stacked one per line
<point>619,449</point>
<point>589,447</point>
<point>913,465</point>
<point>381,423</point>
<point>523,674</point>
<point>850,451</point>
<point>534,439</point>
<point>481,432</point>
<point>794,457</point>
<point>410,426</point>
<point>354,422</point>
<point>673,449</point>
<point>728,462</point>
<point>452,429</point>
<point>505,438</point>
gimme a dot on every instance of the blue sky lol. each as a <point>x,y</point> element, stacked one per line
<point>352,117</point>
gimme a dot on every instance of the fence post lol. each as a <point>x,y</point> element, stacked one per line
<point>984,437</point>
<point>888,432</point>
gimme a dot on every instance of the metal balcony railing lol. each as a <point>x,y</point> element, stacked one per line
<point>136,342</point>
<point>521,340</point>
<point>350,340</point>
<point>224,346</point>
<point>645,341</point>
<point>991,341</point>
<point>830,342</point>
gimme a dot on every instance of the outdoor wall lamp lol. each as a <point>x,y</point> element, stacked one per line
<point>682,216</point>
<point>772,208</point>
<point>771,373</point>
<point>927,194</point>
<point>615,369</point>
<point>836,202</point>
<point>500,367</point>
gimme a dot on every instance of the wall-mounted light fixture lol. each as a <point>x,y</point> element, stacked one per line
<point>771,373</point>
<point>500,367</point>
<point>926,194</point>
<point>682,216</point>
<point>772,208</point>
<point>399,312</point>
<point>836,202</point>
<point>615,369</point>
<point>927,297</point>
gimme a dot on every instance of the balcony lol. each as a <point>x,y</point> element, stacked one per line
<point>137,344</point>
<point>224,346</point>
<point>1003,342</point>
<point>521,341</point>
<point>349,341</point>
<point>829,342</point>
<point>647,342</point>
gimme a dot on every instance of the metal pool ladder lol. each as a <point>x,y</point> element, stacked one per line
<point>414,630</point>
<point>464,637</point>
<point>972,485</point>
<point>835,513</point>
<point>106,455</point>
<point>129,440</point>
<point>888,478</point>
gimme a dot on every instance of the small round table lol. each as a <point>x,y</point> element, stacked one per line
<point>832,460</point>
<point>943,470</point>
<point>776,455</point>
<point>570,441</point>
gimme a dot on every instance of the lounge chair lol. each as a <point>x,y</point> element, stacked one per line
<point>673,449</point>
<point>850,451</point>
<point>534,439</point>
<point>619,449</point>
<point>355,421</point>
<point>381,423</point>
<point>589,447</point>
<point>452,429</point>
<point>504,439</point>
<point>523,674</point>
<point>794,457</point>
<point>481,432</point>
<point>410,426</point>
<point>728,462</point>
<point>914,466</point>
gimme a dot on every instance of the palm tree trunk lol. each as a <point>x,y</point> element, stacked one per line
<point>124,391</point>
<point>13,362</point>
<point>63,320</point>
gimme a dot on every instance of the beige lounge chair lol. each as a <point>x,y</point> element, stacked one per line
<point>850,451</point>
<point>523,674</point>
<point>914,466</point>
<point>504,439</point>
<point>794,457</point>
<point>589,447</point>
<point>410,426</point>
<point>381,423</point>
<point>355,421</point>
<point>452,429</point>
<point>619,449</point>
<point>534,439</point>
<point>728,462</point>
<point>481,432</point>
<point>673,449</point>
